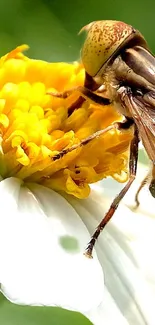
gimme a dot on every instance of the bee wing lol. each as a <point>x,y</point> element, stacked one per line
<point>142,109</point>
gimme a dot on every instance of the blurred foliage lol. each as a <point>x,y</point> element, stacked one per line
<point>50,27</point>
<point>11,314</point>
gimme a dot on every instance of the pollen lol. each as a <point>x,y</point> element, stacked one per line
<point>36,126</point>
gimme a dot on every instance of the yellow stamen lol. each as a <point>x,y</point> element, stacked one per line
<point>35,126</point>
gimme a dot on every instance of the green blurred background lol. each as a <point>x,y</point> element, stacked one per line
<point>50,27</point>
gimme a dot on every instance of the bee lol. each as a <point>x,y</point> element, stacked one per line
<point>120,70</point>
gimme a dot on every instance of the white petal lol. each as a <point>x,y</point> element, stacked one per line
<point>126,251</point>
<point>36,267</point>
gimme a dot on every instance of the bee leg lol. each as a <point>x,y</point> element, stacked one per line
<point>150,176</point>
<point>84,92</point>
<point>75,105</point>
<point>85,141</point>
<point>118,125</point>
<point>143,183</point>
<point>119,197</point>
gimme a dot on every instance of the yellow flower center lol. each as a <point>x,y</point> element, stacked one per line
<point>35,126</point>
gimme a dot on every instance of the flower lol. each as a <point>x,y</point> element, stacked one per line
<point>43,232</point>
<point>36,126</point>
<point>32,274</point>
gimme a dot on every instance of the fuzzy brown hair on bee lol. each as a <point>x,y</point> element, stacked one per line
<point>120,69</point>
